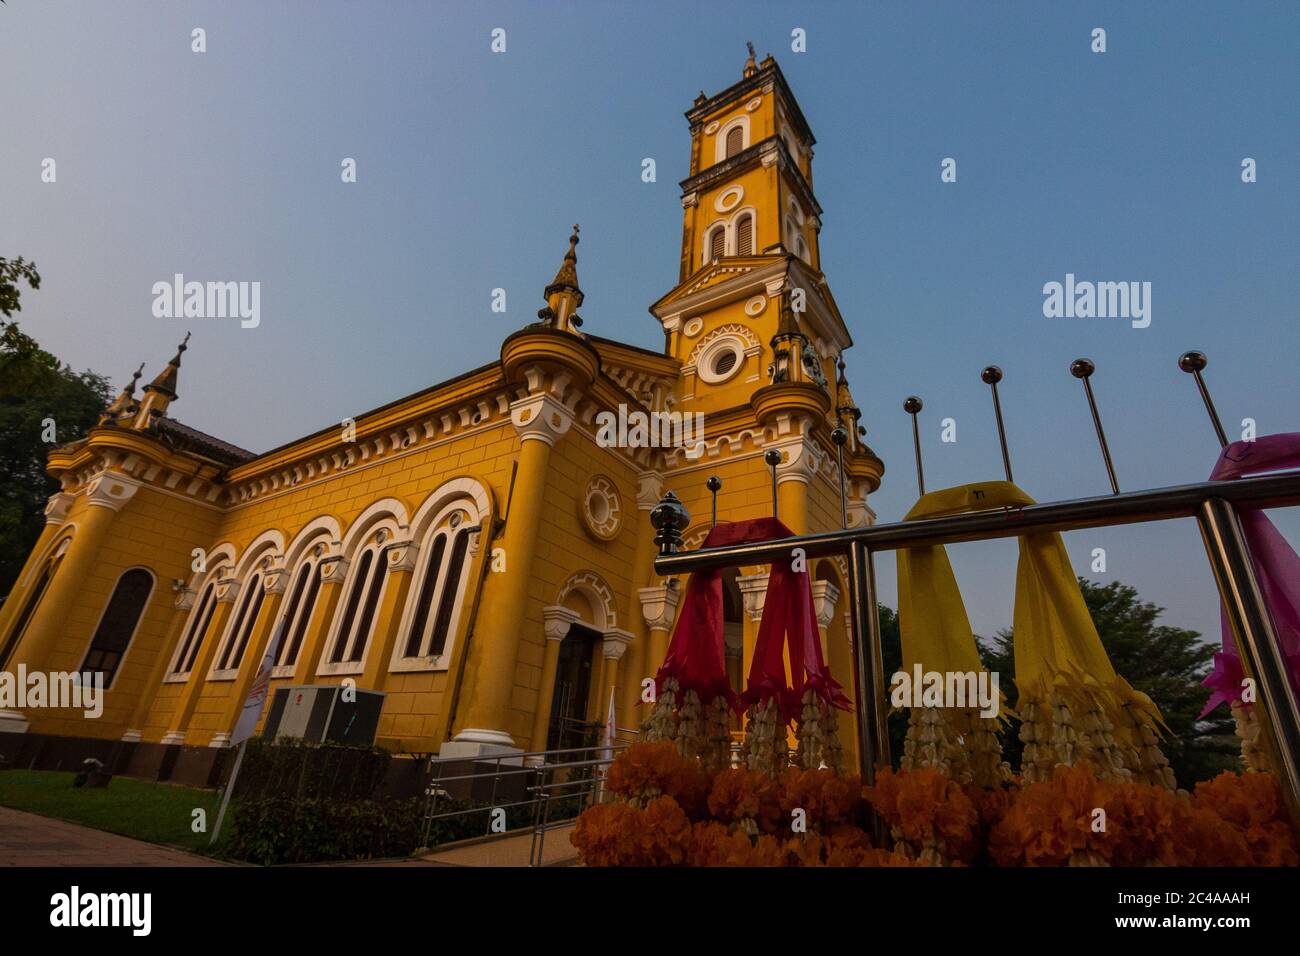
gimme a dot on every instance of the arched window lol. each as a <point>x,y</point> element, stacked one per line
<point>745,236</point>
<point>197,627</point>
<point>359,609</point>
<point>303,591</point>
<point>442,583</point>
<point>735,141</point>
<point>718,244</point>
<point>118,623</point>
<point>241,629</point>
<point>29,608</point>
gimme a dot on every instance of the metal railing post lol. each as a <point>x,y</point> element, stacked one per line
<point>1262,656</point>
<point>868,660</point>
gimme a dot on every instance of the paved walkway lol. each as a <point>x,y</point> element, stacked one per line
<point>27,839</point>
<point>508,851</point>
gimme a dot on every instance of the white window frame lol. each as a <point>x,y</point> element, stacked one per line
<point>312,565</point>
<point>378,565</point>
<point>438,662</point>
<point>720,138</point>
<point>247,598</point>
<point>212,580</point>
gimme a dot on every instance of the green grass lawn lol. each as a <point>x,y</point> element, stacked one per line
<point>157,812</point>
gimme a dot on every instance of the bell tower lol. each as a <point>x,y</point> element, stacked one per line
<point>749,277</point>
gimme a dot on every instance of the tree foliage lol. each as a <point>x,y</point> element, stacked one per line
<point>41,398</point>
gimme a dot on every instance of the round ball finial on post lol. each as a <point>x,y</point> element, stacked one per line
<point>991,375</point>
<point>714,484</point>
<point>912,405</point>
<point>773,458</point>
<point>1193,363</point>
<point>669,518</point>
<point>1082,368</point>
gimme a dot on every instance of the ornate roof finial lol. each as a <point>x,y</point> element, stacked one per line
<point>125,403</point>
<point>166,380</point>
<point>563,295</point>
<point>751,67</point>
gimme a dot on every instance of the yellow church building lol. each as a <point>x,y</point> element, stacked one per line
<point>480,551</point>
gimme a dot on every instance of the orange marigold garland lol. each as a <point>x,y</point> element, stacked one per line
<point>930,818</point>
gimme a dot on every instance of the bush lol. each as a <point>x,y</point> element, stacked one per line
<point>276,830</point>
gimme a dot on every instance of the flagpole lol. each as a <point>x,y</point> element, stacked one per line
<point>230,787</point>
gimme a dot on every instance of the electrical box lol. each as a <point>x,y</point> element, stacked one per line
<point>319,713</point>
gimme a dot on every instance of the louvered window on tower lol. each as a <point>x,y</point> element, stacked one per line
<point>717,244</point>
<point>735,141</point>
<point>724,363</point>
<point>745,236</point>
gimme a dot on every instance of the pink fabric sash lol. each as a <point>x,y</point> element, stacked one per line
<point>1276,564</point>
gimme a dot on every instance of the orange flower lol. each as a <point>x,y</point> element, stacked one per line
<point>744,797</point>
<point>619,834</point>
<point>924,805</point>
<point>1251,804</point>
<point>645,771</point>
<point>1051,820</point>
<point>827,799</point>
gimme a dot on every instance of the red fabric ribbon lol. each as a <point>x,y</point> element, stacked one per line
<point>697,660</point>
<point>1276,565</point>
<point>788,613</point>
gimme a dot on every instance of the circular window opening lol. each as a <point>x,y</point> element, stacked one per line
<point>598,507</point>
<point>724,363</point>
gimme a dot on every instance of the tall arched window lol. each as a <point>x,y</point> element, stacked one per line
<point>442,580</point>
<point>197,627</point>
<point>241,628</point>
<point>34,596</point>
<point>303,591</point>
<point>118,623</point>
<point>735,141</point>
<point>717,244</point>
<point>745,236</point>
<point>359,609</point>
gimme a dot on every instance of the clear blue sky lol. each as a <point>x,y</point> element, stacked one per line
<point>472,166</point>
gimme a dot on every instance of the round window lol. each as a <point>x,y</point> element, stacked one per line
<point>721,360</point>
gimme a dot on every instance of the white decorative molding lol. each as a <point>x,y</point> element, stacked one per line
<point>756,305</point>
<point>659,606</point>
<point>540,417</point>
<point>593,587</point>
<point>825,596</point>
<point>57,507</point>
<point>111,490</point>
<point>649,489</point>
<point>601,508</point>
<point>401,555</point>
<point>556,621</point>
<point>13,722</point>
<point>615,643</point>
<point>753,590</point>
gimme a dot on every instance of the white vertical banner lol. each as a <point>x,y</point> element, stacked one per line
<point>257,694</point>
<point>606,746</point>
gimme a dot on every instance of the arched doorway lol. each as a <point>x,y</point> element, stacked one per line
<point>576,675</point>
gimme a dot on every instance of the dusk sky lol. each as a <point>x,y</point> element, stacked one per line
<point>471,167</point>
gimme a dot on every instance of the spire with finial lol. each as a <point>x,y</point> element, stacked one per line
<point>161,392</point>
<point>751,67</point>
<point>563,296</point>
<point>846,410</point>
<point>125,403</point>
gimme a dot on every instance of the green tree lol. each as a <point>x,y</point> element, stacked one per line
<point>1165,663</point>
<point>40,397</point>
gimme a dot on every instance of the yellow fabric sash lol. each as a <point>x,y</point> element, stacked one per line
<point>1056,645</point>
